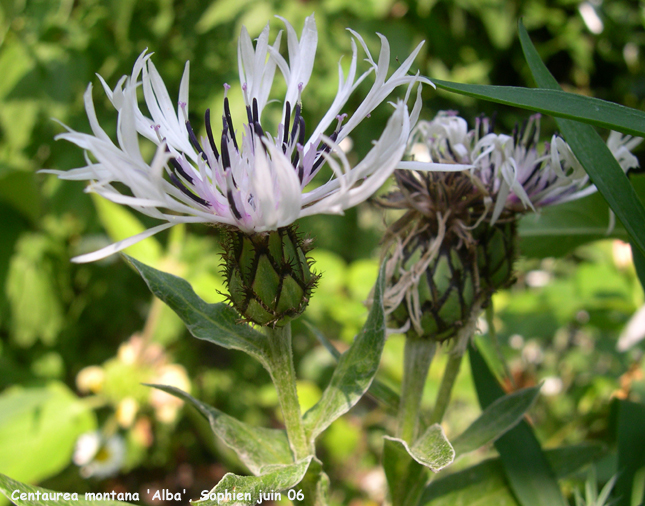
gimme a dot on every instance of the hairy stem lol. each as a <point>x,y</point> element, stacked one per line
<point>445,390</point>
<point>417,357</point>
<point>283,374</point>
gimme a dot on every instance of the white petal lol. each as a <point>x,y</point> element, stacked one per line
<point>121,245</point>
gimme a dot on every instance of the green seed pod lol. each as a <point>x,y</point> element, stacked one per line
<point>445,294</point>
<point>268,275</point>
<point>495,254</point>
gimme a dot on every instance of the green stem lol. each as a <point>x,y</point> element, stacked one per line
<point>283,375</point>
<point>417,357</point>
<point>445,390</point>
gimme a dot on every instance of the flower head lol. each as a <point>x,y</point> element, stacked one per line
<point>98,455</point>
<point>515,175</point>
<point>247,178</point>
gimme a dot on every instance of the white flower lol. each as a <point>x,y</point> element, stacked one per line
<point>509,168</point>
<point>99,456</point>
<point>246,178</point>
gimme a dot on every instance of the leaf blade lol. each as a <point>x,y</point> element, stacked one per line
<point>355,370</point>
<point>257,447</point>
<point>216,323</point>
<point>497,419</point>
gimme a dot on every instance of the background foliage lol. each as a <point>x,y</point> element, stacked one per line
<point>559,323</point>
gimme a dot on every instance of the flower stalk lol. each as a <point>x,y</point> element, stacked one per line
<point>283,374</point>
<point>418,355</point>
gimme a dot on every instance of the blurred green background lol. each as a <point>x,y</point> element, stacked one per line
<point>559,323</point>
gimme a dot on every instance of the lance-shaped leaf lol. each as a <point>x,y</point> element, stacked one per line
<point>498,418</point>
<point>485,484</point>
<point>355,370</point>
<point>556,102</point>
<point>432,449</point>
<point>246,490</point>
<point>257,447</point>
<point>594,155</point>
<point>527,470</point>
<point>379,391</point>
<point>217,323</point>
<point>36,496</point>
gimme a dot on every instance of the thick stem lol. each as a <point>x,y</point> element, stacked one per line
<point>283,375</point>
<point>417,357</point>
<point>445,390</point>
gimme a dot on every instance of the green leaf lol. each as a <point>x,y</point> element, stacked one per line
<point>639,264</point>
<point>529,474</point>
<point>217,323</point>
<point>631,449</point>
<point>594,155</point>
<point>557,230</point>
<point>9,486</point>
<point>257,447</point>
<point>555,102</point>
<point>41,425</point>
<point>405,477</point>
<point>432,449</point>
<point>314,486</point>
<point>275,479</point>
<point>355,370</point>
<point>485,483</point>
<point>497,419</point>
<point>379,391</point>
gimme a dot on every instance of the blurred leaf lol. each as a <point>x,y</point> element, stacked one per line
<point>36,309</point>
<point>558,103</point>
<point>594,155</point>
<point>432,449</point>
<point>557,230</point>
<point>485,484</point>
<point>498,418</point>
<point>631,449</point>
<point>40,425</point>
<point>276,479</point>
<point>405,477</point>
<point>120,224</point>
<point>257,447</point>
<point>355,370</point>
<point>217,323</point>
<point>8,486</point>
<point>529,474</point>
<point>219,13</point>
<point>18,188</point>
<point>639,264</point>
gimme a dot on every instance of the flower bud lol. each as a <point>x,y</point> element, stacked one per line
<point>443,299</point>
<point>268,274</point>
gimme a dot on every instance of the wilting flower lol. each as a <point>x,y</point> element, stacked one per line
<point>248,178</point>
<point>99,456</point>
<point>454,246</point>
<point>512,171</point>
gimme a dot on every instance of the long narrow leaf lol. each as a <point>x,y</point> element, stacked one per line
<point>556,102</point>
<point>527,469</point>
<point>593,154</point>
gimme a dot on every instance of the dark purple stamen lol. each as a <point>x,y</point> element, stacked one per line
<point>209,132</point>
<point>232,205</point>
<point>287,120</point>
<point>175,180</point>
<point>181,171</point>
<point>226,159</point>
<point>193,140</point>
<point>256,114</point>
<point>296,122</point>
<point>229,120</point>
